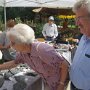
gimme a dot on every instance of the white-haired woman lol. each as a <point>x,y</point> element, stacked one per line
<point>41,57</point>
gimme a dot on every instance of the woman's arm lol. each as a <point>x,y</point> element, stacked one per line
<point>8,65</point>
<point>63,75</point>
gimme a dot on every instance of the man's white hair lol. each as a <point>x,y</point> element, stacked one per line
<point>22,33</point>
<point>82,3</point>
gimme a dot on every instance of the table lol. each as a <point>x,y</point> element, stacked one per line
<point>24,79</point>
<point>66,54</point>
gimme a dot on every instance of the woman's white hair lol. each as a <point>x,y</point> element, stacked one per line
<point>22,33</point>
<point>82,3</point>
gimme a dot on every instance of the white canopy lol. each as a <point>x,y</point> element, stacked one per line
<point>38,3</point>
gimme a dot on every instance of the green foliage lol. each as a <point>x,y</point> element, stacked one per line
<point>38,31</point>
<point>36,20</point>
<point>2,26</point>
<point>24,13</point>
<point>1,14</point>
<point>57,20</point>
<point>18,20</point>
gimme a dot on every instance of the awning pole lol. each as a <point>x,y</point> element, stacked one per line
<point>5,14</point>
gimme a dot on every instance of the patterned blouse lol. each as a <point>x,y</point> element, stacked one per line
<point>45,61</point>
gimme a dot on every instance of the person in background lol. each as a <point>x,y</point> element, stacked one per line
<point>41,57</point>
<point>7,51</point>
<point>50,31</point>
<point>80,68</point>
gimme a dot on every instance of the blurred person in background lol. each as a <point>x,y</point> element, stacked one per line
<point>50,31</point>
<point>80,68</point>
<point>41,57</point>
<point>7,51</point>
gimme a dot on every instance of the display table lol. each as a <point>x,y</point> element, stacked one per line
<point>65,54</point>
<point>24,79</point>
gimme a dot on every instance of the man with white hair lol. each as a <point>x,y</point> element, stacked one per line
<point>50,30</point>
<point>41,57</point>
<point>80,68</point>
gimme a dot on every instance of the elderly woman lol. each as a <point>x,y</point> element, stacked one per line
<point>41,57</point>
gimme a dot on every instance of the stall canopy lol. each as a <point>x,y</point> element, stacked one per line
<point>38,3</point>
